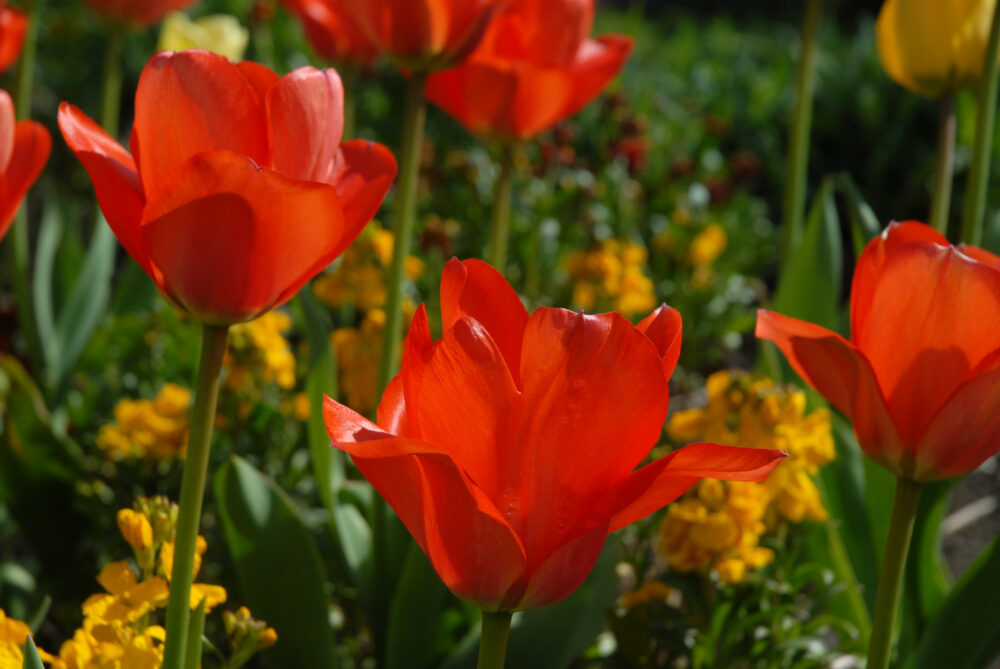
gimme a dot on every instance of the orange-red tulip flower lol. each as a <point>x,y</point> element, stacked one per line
<point>508,446</point>
<point>536,66</point>
<point>332,31</point>
<point>920,377</point>
<point>238,189</point>
<point>24,150</point>
<point>13,25</point>
<point>424,35</point>
<point>139,13</point>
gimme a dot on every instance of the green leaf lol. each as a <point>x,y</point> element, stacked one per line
<point>49,234</point>
<point>965,633</point>
<point>865,225</point>
<point>278,564</point>
<point>31,658</point>
<point>196,628</point>
<point>809,285</point>
<point>413,616</point>
<point>551,637</point>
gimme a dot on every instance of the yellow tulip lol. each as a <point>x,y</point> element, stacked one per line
<point>219,33</point>
<point>934,47</point>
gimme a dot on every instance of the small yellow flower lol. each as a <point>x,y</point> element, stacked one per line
<point>136,529</point>
<point>259,353</point>
<point>219,33</point>
<point>152,429</point>
<point>708,245</point>
<point>650,591</point>
<point>126,600</point>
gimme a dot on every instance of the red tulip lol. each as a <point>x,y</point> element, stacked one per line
<point>13,25</point>
<point>24,150</point>
<point>920,377</point>
<point>140,13</point>
<point>507,447</point>
<point>424,35</point>
<point>332,31</point>
<point>535,67</point>
<point>240,190</point>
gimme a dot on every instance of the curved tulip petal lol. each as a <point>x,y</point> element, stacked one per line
<point>32,145</point>
<point>473,288</point>
<point>597,63</point>
<point>363,172</point>
<point>190,102</point>
<point>661,482</point>
<point>480,96</point>
<point>332,31</point>
<point>843,375</point>
<point>259,76</point>
<point>596,378</point>
<point>870,263</point>
<point>113,173</point>
<point>305,112</point>
<point>559,574</point>
<point>981,255</point>
<point>13,27</point>
<point>464,535</point>
<point>7,122</point>
<point>233,240</point>
<point>920,365</point>
<point>665,329</point>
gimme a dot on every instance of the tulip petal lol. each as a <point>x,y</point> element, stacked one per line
<point>661,482</point>
<point>363,172</point>
<point>469,542</point>
<point>560,573</point>
<point>597,63</point>
<point>233,240</point>
<point>7,121</point>
<point>32,145</point>
<point>481,96</point>
<point>113,173</point>
<point>305,112</point>
<point>259,76</point>
<point>194,101</point>
<point>594,401</point>
<point>473,288</point>
<point>665,329</point>
<point>843,375</point>
<point>13,26</point>
<point>981,255</point>
<point>932,315</point>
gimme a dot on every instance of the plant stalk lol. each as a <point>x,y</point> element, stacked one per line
<point>944,164</point>
<point>890,581</point>
<point>500,216</point>
<point>493,641</point>
<point>213,348</point>
<point>979,174</point>
<point>797,160</point>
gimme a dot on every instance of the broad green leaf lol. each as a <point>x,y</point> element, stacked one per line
<point>278,565</point>
<point>551,637</point>
<point>965,633</point>
<point>31,658</point>
<point>49,234</point>
<point>865,225</point>
<point>413,616</point>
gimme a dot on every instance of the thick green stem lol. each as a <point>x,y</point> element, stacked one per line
<point>351,76</point>
<point>890,581</point>
<point>493,640</point>
<point>797,161</point>
<point>213,348</point>
<point>414,118</point>
<point>19,247</point>
<point>979,175</point>
<point>111,94</point>
<point>500,217</point>
<point>944,164</point>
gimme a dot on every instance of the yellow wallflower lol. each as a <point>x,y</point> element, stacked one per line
<point>219,33</point>
<point>259,353</point>
<point>358,350</point>
<point>126,600</point>
<point>13,635</point>
<point>708,245</point>
<point>650,591</point>
<point>246,634</point>
<point>611,276</point>
<point>154,429</point>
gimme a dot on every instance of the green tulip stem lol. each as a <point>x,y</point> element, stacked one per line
<point>890,581</point>
<point>415,115</point>
<point>500,216</point>
<point>797,160</point>
<point>351,76</point>
<point>19,247</point>
<point>213,348</point>
<point>944,164</point>
<point>979,174</point>
<point>111,93</point>
<point>493,640</point>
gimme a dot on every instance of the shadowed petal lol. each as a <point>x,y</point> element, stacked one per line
<point>32,145</point>
<point>363,171</point>
<point>665,329</point>
<point>305,111</point>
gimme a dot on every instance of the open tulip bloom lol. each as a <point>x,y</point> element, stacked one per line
<point>238,189</point>
<point>332,31</point>
<point>508,446</point>
<point>24,150</point>
<point>13,26</point>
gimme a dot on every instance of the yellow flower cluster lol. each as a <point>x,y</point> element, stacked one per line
<point>611,276</point>
<point>155,429</point>
<point>359,277</point>
<point>717,525</point>
<point>708,245</point>
<point>13,635</point>
<point>258,353</point>
<point>117,630</point>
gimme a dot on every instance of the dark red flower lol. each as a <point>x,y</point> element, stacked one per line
<point>13,26</point>
<point>332,31</point>
<point>24,150</point>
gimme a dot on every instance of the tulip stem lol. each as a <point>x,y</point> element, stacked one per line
<point>500,216</point>
<point>351,76</point>
<point>415,115</point>
<point>111,94</point>
<point>975,194</point>
<point>797,160</point>
<point>19,246</point>
<point>944,165</point>
<point>213,348</point>
<point>890,581</point>
<point>493,640</point>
